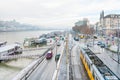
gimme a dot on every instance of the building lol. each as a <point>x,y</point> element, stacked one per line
<point>109,23</point>
<point>97,28</point>
<point>85,21</point>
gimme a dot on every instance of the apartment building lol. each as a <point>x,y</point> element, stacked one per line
<point>110,23</point>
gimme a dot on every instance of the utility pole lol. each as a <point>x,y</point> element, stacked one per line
<point>118,44</point>
<point>67,55</point>
<point>56,46</point>
<point>67,49</point>
<point>56,51</point>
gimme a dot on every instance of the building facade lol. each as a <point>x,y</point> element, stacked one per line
<point>110,23</point>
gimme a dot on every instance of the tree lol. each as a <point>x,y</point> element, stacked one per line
<point>84,29</point>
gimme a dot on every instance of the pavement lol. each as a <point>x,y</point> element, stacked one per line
<point>114,54</point>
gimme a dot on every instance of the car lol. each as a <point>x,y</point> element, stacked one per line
<point>103,45</point>
<point>41,41</point>
<point>49,55</point>
<point>57,57</point>
<point>89,44</point>
<point>99,43</point>
<point>58,43</point>
<point>76,38</point>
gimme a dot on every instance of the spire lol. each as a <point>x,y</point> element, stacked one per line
<point>102,15</point>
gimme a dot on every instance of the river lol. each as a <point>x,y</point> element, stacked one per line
<point>12,37</point>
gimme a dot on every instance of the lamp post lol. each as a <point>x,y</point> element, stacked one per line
<point>56,52</point>
<point>118,43</point>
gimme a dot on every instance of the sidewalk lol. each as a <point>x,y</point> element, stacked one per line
<point>114,54</point>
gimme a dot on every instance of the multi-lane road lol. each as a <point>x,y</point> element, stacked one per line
<point>46,69</point>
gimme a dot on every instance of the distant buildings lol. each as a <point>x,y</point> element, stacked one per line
<point>109,23</point>
<point>85,21</point>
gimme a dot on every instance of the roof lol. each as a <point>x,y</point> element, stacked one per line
<point>49,52</point>
<point>112,16</point>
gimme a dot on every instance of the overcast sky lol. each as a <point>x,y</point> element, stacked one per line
<point>56,13</point>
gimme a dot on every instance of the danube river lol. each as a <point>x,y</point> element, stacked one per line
<point>11,68</point>
<point>12,37</point>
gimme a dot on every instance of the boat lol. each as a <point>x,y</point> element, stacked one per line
<point>10,49</point>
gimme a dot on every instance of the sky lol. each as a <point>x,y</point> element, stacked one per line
<point>56,13</point>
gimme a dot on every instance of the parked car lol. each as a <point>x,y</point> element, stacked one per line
<point>103,45</point>
<point>41,40</point>
<point>89,44</point>
<point>49,55</point>
<point>58,43</point>
<point>99,43</point>
<point>76,38</point>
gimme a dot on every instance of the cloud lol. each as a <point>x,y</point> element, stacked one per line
<point>55,12</point>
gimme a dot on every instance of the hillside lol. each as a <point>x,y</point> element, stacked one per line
<point>16,26</point>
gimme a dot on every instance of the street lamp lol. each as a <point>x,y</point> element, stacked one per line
<point>118,43</point>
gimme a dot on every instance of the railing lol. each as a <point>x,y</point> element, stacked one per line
<point>31,49</point>
<point>25,73</point>
<point>11,57</point>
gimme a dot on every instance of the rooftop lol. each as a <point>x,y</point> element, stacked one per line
<point>112,16</point>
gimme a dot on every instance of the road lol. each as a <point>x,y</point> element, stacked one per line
<point>46,69</point>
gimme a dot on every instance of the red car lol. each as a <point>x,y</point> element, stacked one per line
<point>49,55</point>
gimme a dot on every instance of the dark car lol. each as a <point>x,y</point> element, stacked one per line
<point>76,38</point>
<point>103,45</point>
<point>57,57</point>
<point>49,55</point>
<point>99,43</point>
<point>58,43</point>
